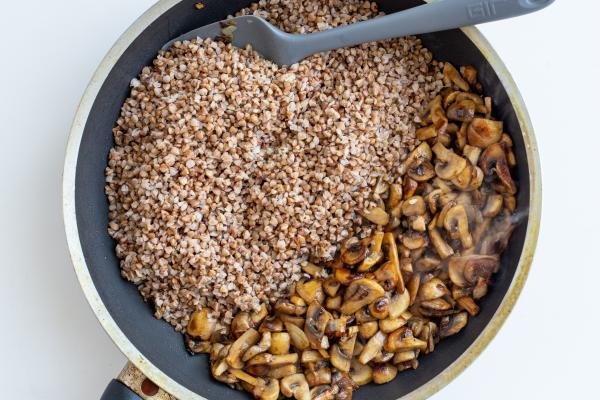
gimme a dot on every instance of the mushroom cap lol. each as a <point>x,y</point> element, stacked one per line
<point>484,132</point>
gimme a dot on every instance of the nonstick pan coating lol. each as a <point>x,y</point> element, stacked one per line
<point>155,339</point>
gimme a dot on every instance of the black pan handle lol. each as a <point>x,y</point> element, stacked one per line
<point>132,384</point>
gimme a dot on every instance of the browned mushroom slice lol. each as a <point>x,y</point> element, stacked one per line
<point>287,307</point>
<point>345,276</point>
<point>480,267</point>
<point>463,110</point>
<point>469,73</point>
<point>341,352</point>
<point>432,289</point>
<point>510,203</point>
<point>360,293</point>
<point>483,132</point>
<point>366,330</point>
<point>295,386</point>
<point>384,373</point>
<point>333,303</point>
<point>311,290</point>
<point>272,360</point>
<point>438,116</point>
<point>461,136</point>
<point>420,153</point>
<point>324,392</point>
<point>260,347</point>
<point>414,240</point>
<point>373,254</point>
<point>331,286</point>
<point>434,305</point>
<point>353,251</point>
<point>280,343</point>
<point>240,324</point>
<point>336,327</point>
<point>453,324</point>
<point>453,76</point>
<point>316,322</point>
<point>271,324</point>
<point>387,276</point>
<point>380,308</point>
<point>468,305</point>
<point>201,325</point>
<point>457,225</point>
<point>395,195</point>
<point>314,270</point>
<point>266,390</point>
<point>414,206</point>
<point>448,164</point>
<point>360,374</point>
<point>427,132</point>
<point>373,346</point>
<point>475,98</point>
<point>291,319</point>
<point>469,178</point>
<point>345,385</point>
<point>389,325</point>
<point>493,161</point>
<point>472,153</point>
<point>441,246</point>
<point>317,373</point>
<point>409,186</point>
<point>377,215</point>
<point>394,260</point>
<point>480,289</point>
<point>297,336</point>
<point>403,340</point>
<point>421,172</point>
<point>239,347</point>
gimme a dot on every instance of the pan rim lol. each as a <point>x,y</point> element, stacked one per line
<point>180,391</point>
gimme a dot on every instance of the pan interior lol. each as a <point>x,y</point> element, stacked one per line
<point>156,339</point>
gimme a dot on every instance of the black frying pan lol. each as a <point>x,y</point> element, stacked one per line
<point>155,341</point>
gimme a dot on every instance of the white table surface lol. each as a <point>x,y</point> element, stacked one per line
<point>52,347</point>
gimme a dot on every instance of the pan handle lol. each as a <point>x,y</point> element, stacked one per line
<point>131,384</point>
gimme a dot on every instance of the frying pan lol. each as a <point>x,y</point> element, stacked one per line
<point>154,349</point>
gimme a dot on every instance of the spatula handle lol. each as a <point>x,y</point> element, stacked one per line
<point>435,16</point>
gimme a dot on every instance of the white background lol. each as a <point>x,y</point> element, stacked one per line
<point>51,346</point>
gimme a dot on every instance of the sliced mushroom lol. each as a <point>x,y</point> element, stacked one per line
<point>468,305</point>
<point>433,289</point>
<point>413,286</point>
<point>331,286</point>
<point>295,386</point>
<point>432,200</point>
<point>311,290</point>
<point>493,161</point>
<point>457,224</point>
<point>383,373</point>
<point>266,390</point>
<point>201,324</point>
<point>280,343</point>
<point>287,307</point>
<point>363,315</point>
<point>435,307</point>
<point>404,356</point>
<point>345,276</point>
<point>469,73</point>
<point>421,153</point>
<point>438,116</point>
<point>483,132</point>
<point>394,260</point>
<point>336,327</point>
<point>368,329</point>
<point>373,346</point>
<point>361,374</point>
<point>380,308</point>
<point>409,186</point>
<point>333,303</point>
<point>272,360</point>
<point>398,304</point>
<point>317,319</point>
<point>344,383</point>
<point>421,172</point>
<point>395,195</point>
<point>472,153</point>
<point>454,77</point>
<point>463,110</point>
<point>341,353</point>
<point>239,347</point>
<point>353,251</point>
<point>297,336</point>
<point>373,253</point>
<point>310,356</point>
<point>480,289</point>
<point>383,357</point>
<point>448,164</point>
<point>317,373</point>
<point>403,340</point>
<point>389,325</point>
<point>240,324</point>
<point>245,377</point>
<point>414,240</point>
<point>324,392</point>
<point>427,132</point>
<point>282,371</point>
<point>427,263</point>
<point>377,215</point>
<point>313,270</point>
<point>360,293</point>
<point>461,136</point>
<point>261,347</point>
<point>414,206</point>
<point>441,246</point>
<point>418,223</point>
<point>271,324</point>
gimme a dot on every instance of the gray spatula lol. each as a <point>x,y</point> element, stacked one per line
<point>285,48</point>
